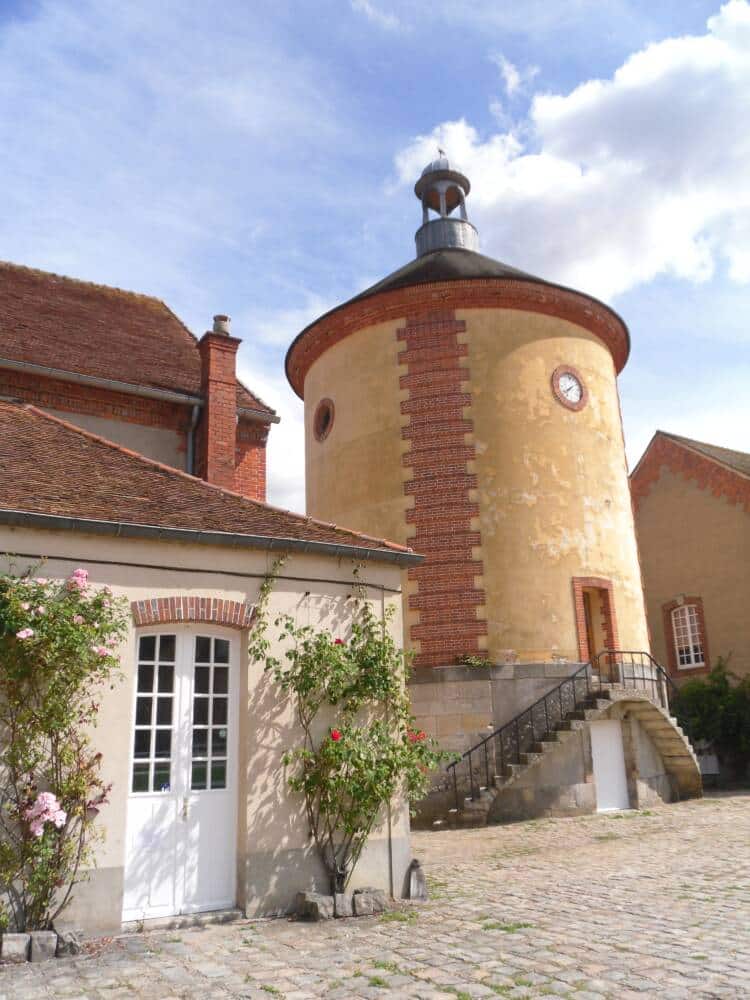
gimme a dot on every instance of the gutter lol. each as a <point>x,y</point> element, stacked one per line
<point>190,457</point>
<point>147,391</point>
<point>126,529</point>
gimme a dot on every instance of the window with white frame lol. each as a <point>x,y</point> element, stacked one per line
<point>688,641</point>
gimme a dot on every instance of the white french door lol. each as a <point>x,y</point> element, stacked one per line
<point>182,806</point>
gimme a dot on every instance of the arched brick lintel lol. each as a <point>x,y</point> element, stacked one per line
<point>204,610</point>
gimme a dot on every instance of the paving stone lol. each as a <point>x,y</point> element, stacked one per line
<point>15,948</point>
<point>43,945</point>
<point>608,919</point>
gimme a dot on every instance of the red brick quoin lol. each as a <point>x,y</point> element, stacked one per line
<point>206,610</point>
<point>447,597</point>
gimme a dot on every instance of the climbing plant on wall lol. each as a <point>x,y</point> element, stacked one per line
<point>57,643</point>
<point>358,747</point>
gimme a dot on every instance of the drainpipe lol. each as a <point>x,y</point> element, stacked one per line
<point>195,414</point>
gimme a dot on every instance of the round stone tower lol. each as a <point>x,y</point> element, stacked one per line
<point>470,410</point>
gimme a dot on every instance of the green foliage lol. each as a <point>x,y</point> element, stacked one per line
<point>57,643</point>
<point>717,709</point>
<point>349,771</point>
<point>472,660</point>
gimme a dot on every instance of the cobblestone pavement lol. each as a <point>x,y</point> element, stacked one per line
<point>630,905</point>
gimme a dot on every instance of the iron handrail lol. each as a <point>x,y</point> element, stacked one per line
<point>626,668</point>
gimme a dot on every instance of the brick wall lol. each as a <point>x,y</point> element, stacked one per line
<point>217,430</point>
<point>250,459</point>
<point>443,589</point>
<point>247,438</point>
<point>71,397</point>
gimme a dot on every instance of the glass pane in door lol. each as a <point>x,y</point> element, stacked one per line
<point>209,737</point>
<point>152,740</point>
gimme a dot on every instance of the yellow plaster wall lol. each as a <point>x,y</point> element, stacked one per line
<point>696,544</point>
<point>355,476</point>
<point>552,483</point>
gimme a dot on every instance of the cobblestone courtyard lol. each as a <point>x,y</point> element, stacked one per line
<point>631,905</point>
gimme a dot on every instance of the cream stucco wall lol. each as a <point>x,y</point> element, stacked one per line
<point>275,857</point>
<point>696,544</point>
<point>160,443</point>
<point>552,483</point>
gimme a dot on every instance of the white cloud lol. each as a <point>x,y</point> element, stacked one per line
<point>265,333</point>
<point>624,179</point>
<point>375,15</point>
<point>286,441</point>
<point>514,79</point>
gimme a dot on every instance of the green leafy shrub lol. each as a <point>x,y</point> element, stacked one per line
<point>348,771</point>
<point>717,709</point>
<point>57,642</point>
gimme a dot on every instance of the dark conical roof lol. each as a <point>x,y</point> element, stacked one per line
<point>449,264</point>
<point>458,264</point>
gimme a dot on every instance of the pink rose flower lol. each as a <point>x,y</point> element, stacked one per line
<point>25,633</point>
<point>338,642</point>
<point>40,610</point>
<point>42,580</point>
<point>25,605</point>
<point>78,619</point>
<point>78,579</point>
<point>100,650</point>
<point>46,809</point>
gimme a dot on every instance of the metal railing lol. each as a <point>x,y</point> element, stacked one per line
<point>491,756</point>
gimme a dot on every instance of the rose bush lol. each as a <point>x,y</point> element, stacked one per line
<point>56,651</point>
<point>349,772</point>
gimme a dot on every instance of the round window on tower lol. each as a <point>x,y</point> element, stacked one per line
<point>323,419</point>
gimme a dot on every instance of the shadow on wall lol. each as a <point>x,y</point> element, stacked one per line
<point>280,857</point>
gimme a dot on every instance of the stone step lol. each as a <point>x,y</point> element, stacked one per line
<point>531,758</point>
<point>545,746</point>
<point>570,725</point>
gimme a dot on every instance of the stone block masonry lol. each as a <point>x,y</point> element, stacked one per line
<point>447,599</point>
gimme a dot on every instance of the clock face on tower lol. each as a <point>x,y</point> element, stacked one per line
<point>568,387</point>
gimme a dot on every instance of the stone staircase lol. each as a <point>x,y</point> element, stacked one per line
<point>680,761</point>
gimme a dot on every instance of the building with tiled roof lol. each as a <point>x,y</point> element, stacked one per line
<point>692,514</point>
<point>55,475</point>
<point>124,366</point>
<point>130,450</point>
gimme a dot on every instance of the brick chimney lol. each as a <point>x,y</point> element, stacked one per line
<point>217,431</point>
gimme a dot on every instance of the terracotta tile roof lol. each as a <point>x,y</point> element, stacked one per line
<point>76,326</point>
<point>738,461</point>
<point>50,467</point>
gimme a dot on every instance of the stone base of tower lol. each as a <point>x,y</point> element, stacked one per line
<point>461,705</point>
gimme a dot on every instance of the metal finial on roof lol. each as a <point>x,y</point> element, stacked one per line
<point>442,190</point>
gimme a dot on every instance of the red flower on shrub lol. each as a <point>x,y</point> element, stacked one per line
<point>338,642</point>
<point>415,737</point>
<point>335,735</point>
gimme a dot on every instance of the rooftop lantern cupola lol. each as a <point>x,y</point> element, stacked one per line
<point>442,190</point>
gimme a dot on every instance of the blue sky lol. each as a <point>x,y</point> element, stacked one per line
<point>258,158</point>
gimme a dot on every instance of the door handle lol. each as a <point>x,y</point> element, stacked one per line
<point>185,806</point>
